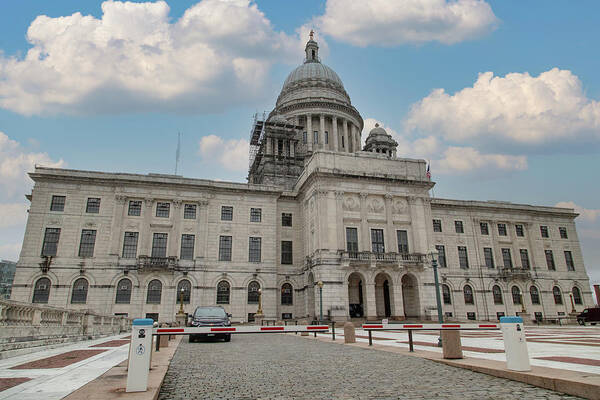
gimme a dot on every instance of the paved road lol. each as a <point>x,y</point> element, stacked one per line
<point>289,367</point>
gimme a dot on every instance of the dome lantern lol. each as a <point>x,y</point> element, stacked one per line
<point>379,141</point>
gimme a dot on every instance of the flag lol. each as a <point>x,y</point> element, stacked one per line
<point>428,171</point>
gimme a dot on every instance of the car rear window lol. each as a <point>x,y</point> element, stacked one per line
<point>210,312</point>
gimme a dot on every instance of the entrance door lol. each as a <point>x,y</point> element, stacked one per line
<point>410,296</point>
<point>386,298</point>
<point>355,296</point>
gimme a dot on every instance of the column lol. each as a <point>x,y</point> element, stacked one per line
<point>269,145</point>
<point>335,133</point>
<point>339,207</point>
<point>145,241</point>
<point>369,300</point>
<point>203,229</point>
<point>276,147</point>
<point>116,231</point>
<point>346,142</point>
<point>365,237</point>
<point>391,235</point>
<point>175,235</point>
<point>322,132</point>
<point>355,138</point>
<point>309,134</point>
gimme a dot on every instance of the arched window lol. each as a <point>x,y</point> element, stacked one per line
<point>446,294</point>
<point>223,292</point>
<point>535,295</point>
<point>154,292</point>
<point>41,291</point>
<point>287,294</point>
<point>123,292</point>
<point>577,295</point>
<point>557,295</point>
<point>468,293</point>
<point>80,290</point>
<point>516,295</point>
<point>184,289</point>
<point>253,288</point>
<point>497,292</point>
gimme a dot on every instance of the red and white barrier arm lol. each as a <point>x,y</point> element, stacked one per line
<point>423,327</point>
<point>239,329</point>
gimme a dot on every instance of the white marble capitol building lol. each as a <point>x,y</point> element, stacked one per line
<point>317,208</point>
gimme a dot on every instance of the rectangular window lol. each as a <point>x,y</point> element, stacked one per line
<point>507,258</point>
<point>519,230</point>
<point>227,213</point>
<point>255,214</point>
<point>352,240</point>
<point>458,227</point>
<point>51,237</point>
<point>135,208</point>
<point>502,229</point>
<point>550,260</point>
<point>88,240</point>
<point>286,252</point>
<point>224,248</point>
<point>563,232</point>
<point>544,231</point>
<point>524,259</point>
<point>279,147</point>
<point>304,137</point>
<point>163,209</point>
<point>189,211</point>
<point>569,261</point>
<point>159,245</point>
<point>187,247</point>
<point>488,254</point>
<point>484,228</point>
<point>463,257</point>
<point>326,137</point>
<point>286,219</point>
<point>254,249</point>
<point>437,225</point>
<point>130,242</point>
<point>316,137</point>
<point>343,141</point>
<point>93,205</point>
<point>377,244</point>
<point>402,241</point>
<point>441,255</point>
<point>58,203</point>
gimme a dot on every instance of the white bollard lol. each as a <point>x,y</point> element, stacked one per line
<point>515,346</point>
<point>139,355</point>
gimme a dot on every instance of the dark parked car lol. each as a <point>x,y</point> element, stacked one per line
<point>211,316</point>
<point>591,315</point>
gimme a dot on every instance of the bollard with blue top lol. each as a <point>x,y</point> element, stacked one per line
<point>139,355</point>
<point>515,346</point>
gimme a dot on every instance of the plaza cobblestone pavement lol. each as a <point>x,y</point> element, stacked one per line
<point>289,367</point>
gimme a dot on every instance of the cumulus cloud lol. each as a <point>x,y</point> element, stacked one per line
<point>231,154</point>
<point>585,214</point>
<point>391,23</point>
<point>15,163</point>
<point>519,110</point>
<point>134,58</point>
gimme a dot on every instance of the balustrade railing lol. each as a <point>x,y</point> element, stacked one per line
<point>413,258</point>
<point>147,262</point>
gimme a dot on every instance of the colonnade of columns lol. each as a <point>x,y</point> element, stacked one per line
<point>288,147</point>
<point>320,136</point>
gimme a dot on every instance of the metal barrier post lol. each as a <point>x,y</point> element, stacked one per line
<point>410,341</point>
<point>333,331</point>
<point>515,346</point>
<point>370,337</point>
<point>139,355</point>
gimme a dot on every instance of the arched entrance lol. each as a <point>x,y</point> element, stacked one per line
<point>310,304</point>
<point>383,295</point>
<point>355,296</point>
<point>410,296</point>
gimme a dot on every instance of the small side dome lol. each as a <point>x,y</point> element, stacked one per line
<point>379,141</point>
<point>278,119</point>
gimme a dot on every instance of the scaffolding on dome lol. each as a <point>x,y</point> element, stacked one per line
<point>256,134</point>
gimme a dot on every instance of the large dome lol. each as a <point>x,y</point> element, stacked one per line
<point>313,71</point>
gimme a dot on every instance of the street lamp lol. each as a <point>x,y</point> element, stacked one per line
<point>181,300</point>
<point>259,312</point>
<point>320,285</point>
<point>572,303</point>
<point>433,254</point>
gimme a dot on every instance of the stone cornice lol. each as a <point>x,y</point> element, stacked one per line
<point>501,206</point>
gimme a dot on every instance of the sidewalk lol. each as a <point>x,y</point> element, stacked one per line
<point>55,373</point>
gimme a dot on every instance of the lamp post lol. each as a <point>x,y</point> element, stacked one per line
<point>259,311</point>
<point>433,254</point>
<point>320,285</point>
<point>181,301</point>
<point>572,303</point>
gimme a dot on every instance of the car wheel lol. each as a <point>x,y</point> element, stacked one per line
<point>593,323</point>
<point>228,338</point>
<point>581,322</point>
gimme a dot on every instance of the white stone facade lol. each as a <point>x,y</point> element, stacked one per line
<point>361,223</point>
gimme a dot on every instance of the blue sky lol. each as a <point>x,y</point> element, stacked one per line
<point>501,96</point>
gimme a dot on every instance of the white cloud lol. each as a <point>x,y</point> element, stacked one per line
<point>231,154</point>
<point>134,58</point>
<point>391,22</point>
<point>517,109</point>
<point>12,214</point>
<point>15,163</point>
<point>585,214</point>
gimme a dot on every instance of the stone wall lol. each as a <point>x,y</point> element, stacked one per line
<point>27,326</point>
